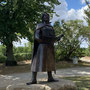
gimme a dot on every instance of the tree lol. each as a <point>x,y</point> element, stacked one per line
<point>17,20</point>
<point>87,18</point>
<point>87,51</point>
<point>69,46</point>
<point>87,12</point>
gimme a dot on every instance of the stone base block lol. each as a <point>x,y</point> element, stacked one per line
<point>44,85</point>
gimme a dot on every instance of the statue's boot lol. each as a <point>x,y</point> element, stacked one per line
<point>33,80</point>
<point>50,77</point>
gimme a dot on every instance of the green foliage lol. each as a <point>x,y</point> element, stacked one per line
<point>18,19</point>
<point>87,12</point>
<point>20,53</point>
<point>2,58</point>
<point>2,49</point>
<point>22,56</point>
<point>69,46</point>
<point>23,53</point>
<point>87,18</point>
<point>2,54</point>
<point>18,50</point>
<point>87,51</point>
<point>26,49</point>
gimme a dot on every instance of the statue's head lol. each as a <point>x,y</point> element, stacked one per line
<point>45,17</point>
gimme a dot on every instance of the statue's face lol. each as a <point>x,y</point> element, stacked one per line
<point>46,17</point>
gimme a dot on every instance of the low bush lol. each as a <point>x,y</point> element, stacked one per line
<point>22,56</point>
<point>18,57</point>
<point>2,58</point>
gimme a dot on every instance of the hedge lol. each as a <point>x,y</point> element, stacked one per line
<point>18,57</point>
<point>22,56</point>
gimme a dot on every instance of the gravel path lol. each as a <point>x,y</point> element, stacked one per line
<point>7,80</point>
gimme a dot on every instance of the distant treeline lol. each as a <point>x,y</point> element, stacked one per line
<point>20,53</point>
<point>25,53</point>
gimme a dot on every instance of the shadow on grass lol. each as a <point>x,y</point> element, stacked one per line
<point>82,82</point>
<point>22,68</point>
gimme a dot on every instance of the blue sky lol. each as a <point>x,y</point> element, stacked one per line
<point>75,4</point>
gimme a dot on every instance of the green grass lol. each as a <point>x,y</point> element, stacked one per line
<point>64,64</point>
<point>82,82</point>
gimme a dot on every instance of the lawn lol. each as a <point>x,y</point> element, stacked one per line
<point>65,64</point>
<point>24,66</point>
<point>82,82</point>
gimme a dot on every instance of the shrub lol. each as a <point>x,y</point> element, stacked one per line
<point>2,49</point>
<point>2,58</point>
<point>87,51</point>
<point>22,56</point>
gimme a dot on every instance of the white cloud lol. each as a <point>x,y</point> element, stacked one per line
<point>61,10</point>
<point>76,14</point>
<point>71,14</point>
<point>21,43</point>
<point>66,14</point>
<point>84,44</point>
<point>82,1</point>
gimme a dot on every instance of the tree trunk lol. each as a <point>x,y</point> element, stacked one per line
<point>9,54</point>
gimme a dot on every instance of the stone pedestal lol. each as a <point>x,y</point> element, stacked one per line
<point>44,85</point>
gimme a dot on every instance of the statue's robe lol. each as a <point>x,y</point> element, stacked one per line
<point>43,58</point>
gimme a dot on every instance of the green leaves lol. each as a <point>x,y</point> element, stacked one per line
<point>17,17</point>
<point>87,12</point>
<point>74,34</point>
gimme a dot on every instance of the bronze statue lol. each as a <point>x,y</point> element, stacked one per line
<point>43,59</point>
